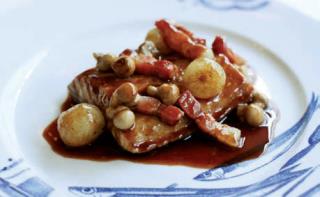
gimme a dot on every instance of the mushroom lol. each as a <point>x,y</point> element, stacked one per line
<point>152,91</point>
<point>252,114</point>
<point>148,48</point>
<point>241,109</point>
<point>124,66</point>
<point>168,93</point>
<point>111,111</point>
<point>125,94</point>
<point>104,61</point>
<point>124,119</point>
<point>260,99</point>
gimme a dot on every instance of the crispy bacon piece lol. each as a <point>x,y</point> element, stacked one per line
<point>152,106</point>
<point>165,69</point>
<point>222,132</point>
<point>170,114</point>
<point>190,105</point>
<point>162,69</point>
<point>147,105</point>
<point>201,41</point>
<point>180,40</point>
<point>219,46</point>
<point>208,125</point>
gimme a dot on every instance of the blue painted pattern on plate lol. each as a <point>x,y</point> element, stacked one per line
<point>234,4</point>
<point>15,181</point>
<point>278,147</point>
<point>287,178</point>
<point>268,185</point>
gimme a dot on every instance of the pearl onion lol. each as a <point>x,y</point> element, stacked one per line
<point>80,125</point>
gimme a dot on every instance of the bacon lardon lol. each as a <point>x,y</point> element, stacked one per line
<point>150,66</point>
<point>180,40</point>
<point>207,124</point>
<point>219,46</point>
<point>169,114</point>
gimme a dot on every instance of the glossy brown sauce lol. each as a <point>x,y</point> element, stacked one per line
<point>195,151</point>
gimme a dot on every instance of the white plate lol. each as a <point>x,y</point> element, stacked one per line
<point>45,44</point>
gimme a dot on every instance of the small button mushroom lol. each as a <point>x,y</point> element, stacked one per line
<point>152,91</point>
<point>111,111</point>
<point>148,48</point>
<point>169,93</point>
<point>155,36</point>
<point>125,94</point>
<point>124,66</point>
<point>104,61</point>
<point>241,110</point>
<point>254,115</point>
<point>260,99</point>
<point>124,119</point>
<point>80,125</point>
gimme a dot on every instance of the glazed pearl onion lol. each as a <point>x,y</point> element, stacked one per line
<point>204,77</point>
<point>124,66</point>
<point>207,53</point>
<point>124,119</point>
<point>80,125</point>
